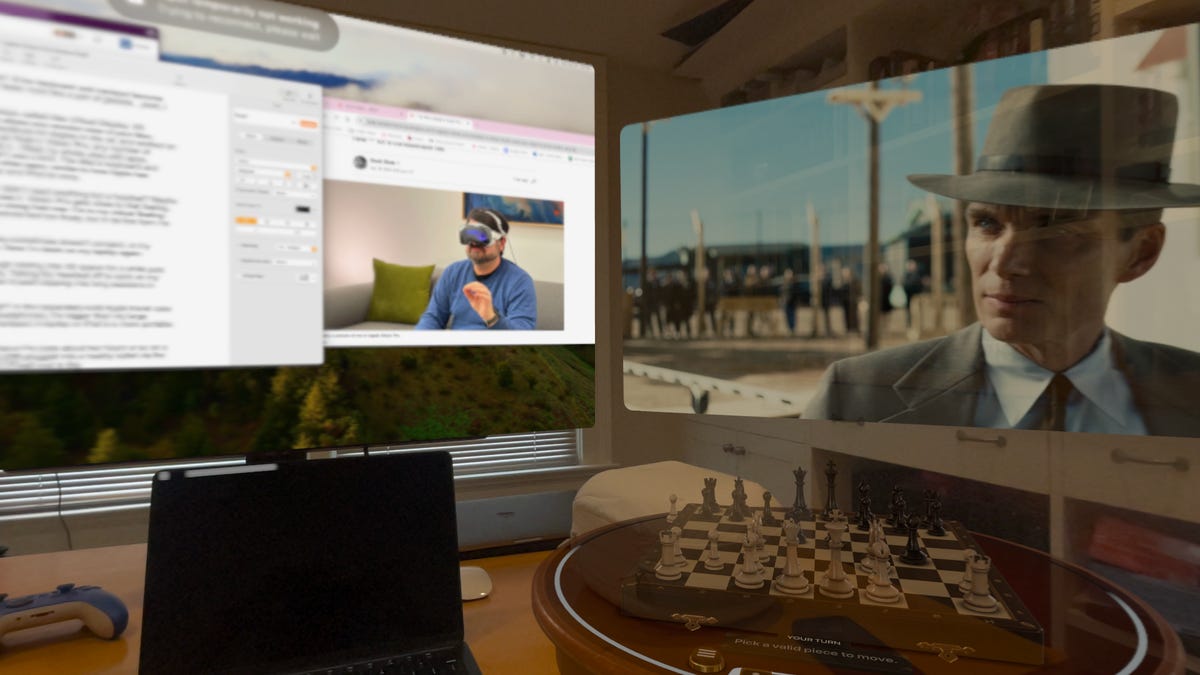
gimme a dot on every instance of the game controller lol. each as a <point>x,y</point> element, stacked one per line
<point>102,612</point>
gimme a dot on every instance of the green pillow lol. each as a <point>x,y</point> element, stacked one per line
<point>401,293</point>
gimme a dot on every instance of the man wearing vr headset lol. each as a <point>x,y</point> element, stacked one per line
<point>485,291</point>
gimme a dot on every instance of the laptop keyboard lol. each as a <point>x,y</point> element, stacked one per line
<point>444,662</point>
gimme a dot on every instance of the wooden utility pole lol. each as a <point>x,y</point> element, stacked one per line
<point>814,282</point>
<point>874,105</point>
<point>642,267</point>
<point>962,94</point>
<point>701,273</point>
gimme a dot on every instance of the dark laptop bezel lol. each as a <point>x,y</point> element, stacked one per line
<point>184,556</point>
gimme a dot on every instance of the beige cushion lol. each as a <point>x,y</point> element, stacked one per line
<point>619,494</point>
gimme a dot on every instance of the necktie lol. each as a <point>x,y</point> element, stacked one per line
<point>1057,393</point>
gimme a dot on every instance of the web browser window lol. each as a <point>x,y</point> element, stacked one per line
<point>155,215</point>
<point>236,212</point>
<point>403,181</point>
<point>33,28</point>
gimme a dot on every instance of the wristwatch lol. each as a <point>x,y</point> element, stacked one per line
<point>493,321</point>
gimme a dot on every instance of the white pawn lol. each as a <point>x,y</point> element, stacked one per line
<point>673,513</point>
<point>712,559</point>
<point>677,536</point>
<point>792,581</point>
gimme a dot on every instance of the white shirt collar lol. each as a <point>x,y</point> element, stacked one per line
<point>1018,382</point>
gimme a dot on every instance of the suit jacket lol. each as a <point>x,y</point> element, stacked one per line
<point>938,381</point>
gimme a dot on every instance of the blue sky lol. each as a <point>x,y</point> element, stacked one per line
<point>751,170</point>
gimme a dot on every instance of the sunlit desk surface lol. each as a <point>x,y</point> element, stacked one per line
<point>501,629</point>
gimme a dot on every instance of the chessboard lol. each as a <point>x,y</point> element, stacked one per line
<point>930,608</point>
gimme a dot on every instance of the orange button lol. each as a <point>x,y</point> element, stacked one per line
<point>246,220</point>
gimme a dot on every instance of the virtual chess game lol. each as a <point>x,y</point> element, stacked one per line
<point>905,578</point>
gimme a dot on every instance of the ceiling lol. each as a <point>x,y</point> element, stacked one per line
<point>626,31</point>
<point>629,32</point>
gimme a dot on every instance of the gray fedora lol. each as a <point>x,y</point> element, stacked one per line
<point>1075,146</point>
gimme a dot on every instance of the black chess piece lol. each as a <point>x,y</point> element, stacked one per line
<point>927,497</point>
<point>899,508</point>
<point>800,538</point>
<point>768,518</point>
<point>830,491</point>
<point>739,511</point>
<point>913,553</point>
<point>708,498</point>
<point>936,527</point>
<point>799,511</point>
<point>864,507</point>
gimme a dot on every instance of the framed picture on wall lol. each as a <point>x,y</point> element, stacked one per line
<point>517,209</point>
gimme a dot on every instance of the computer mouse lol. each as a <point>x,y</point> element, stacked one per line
<point>476,583</point>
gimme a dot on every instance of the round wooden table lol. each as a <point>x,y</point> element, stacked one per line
<point>1091,625</point>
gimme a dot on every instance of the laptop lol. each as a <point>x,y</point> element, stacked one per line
<point>333,565</point>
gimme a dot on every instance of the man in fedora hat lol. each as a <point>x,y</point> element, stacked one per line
<point>1065,204</point>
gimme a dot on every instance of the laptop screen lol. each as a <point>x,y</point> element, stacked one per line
<point>265,568</point>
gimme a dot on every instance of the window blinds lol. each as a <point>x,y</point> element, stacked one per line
<point>106,488</point>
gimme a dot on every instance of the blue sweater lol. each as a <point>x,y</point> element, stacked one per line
<point>512,296</point>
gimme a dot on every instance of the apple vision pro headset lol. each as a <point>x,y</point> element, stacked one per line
<point>475,233</point>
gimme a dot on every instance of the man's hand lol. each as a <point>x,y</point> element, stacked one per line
<point>481,300</point>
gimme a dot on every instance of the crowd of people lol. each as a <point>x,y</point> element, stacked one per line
<point>759,300</point>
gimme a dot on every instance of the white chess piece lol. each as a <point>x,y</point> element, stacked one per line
<point>792,581</point>
<point>866,562</point>
<point>965,584</point>
<point>760,544</point>
<point>667,569</point>
<point>677,536</point>
<point>750,573</point>
<point>756,543</point>
<point>674,512</point>
<point>834,583</point>
<point>712,559</point>
<point>980,598</point>
<point>880,588</point>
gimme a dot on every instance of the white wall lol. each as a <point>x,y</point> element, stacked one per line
<point>413,226</point>
<point>1161,306</point>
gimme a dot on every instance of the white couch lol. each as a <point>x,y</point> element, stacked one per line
<point>346,306</point>
<point>645,489</point>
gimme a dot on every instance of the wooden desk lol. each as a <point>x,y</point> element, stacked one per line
<point>500,628</point>
<point>1090,625</point>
